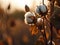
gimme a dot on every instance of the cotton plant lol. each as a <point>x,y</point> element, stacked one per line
<point>31,16</point>
<point>32,19</point>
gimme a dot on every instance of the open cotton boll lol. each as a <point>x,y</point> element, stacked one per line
<point>39,20</point>
<point>28,20</point>
<point>41,9</point>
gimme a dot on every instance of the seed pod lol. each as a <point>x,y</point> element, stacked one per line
<point>27,9</point>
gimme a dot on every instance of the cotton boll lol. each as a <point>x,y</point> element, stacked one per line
<point>28,19</point>
<point>41,9</point>
<point>39,20</point>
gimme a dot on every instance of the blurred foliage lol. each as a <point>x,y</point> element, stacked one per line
<point>55,19</point>
<point>18,15</point>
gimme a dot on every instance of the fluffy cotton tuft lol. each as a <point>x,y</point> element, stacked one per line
<point>41,8</point>
<point>27,19</point>
<point>39,20</point>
